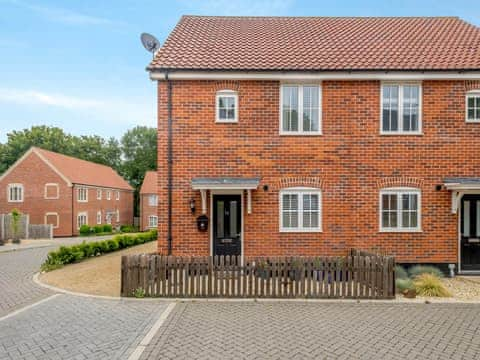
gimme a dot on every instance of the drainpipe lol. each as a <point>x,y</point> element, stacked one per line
<point>169,164</point>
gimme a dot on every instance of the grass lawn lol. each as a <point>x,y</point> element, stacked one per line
<point>97,276</point>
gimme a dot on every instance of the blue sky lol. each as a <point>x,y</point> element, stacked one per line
<point>79,65</point>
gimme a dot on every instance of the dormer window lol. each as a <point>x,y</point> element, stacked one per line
<point>227,106</point>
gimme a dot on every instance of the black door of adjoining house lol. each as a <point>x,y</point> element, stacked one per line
<point>227,225</point>
<point>470,232</point>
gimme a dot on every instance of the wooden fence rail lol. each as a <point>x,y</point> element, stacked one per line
<point>357,276</point>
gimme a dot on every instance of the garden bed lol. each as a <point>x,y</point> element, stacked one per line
<point>96,276</point>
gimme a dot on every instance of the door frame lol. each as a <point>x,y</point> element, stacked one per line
<point>459,231</point>
<point>228,192</point>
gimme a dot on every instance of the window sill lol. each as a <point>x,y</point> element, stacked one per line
<point>300,231</point>
<point>226,121</point>
<point>472,121</point>
<point>15,201</point>
<point>401,133</point>
<point>400,231</point>
<point>300,134</point>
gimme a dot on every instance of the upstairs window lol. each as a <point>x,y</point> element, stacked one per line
<point>227,106</point>
<point>15,192</point>
<point>152,200</point>
<point>473,106</point>
<point>82,194</point>
<point>99,194</point>
<point>52,191</point>
<point>401,109</point>
<point>109,194</point>
<point>300,210</point>
<point>400,210</point>
<point>117,195</point>
<point>300,111</point>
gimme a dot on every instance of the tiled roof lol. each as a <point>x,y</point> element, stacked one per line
<point>320,43</point>
<point>84,172</point>
<point>149,185</point>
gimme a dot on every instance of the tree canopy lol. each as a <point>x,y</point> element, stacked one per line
<point>131,157</point>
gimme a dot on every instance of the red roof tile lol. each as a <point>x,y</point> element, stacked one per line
<point>84,172</point>
<point>320,43</point>
<point>149,185</point>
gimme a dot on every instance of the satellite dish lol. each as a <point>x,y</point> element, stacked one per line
<point>150,42</point>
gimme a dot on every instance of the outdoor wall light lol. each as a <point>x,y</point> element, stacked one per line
<point>192,205</point>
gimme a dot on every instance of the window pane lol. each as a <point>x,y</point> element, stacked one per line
<point>413,219</point>
<point>223,113</point>
<point>410,108</point>
<point>390,108</point>
<point>220,218</point>
<point>385,219</point>
<point>290,210</point>
<point>233,219</point>
<point>231,114</point>
<point>290,108</point>
<point>477,102</point>
<point>471,101</point>
<point>221,102</point>
<point>393,219</point>
<point>310,108</point>
<point>471,114</point>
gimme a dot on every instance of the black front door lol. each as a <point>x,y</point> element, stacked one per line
<point>470,232</point>
<point>227,225</point>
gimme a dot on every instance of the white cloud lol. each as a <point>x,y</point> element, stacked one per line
<point>62,15</point>
<point>239,7</point>
<point>110,110</point>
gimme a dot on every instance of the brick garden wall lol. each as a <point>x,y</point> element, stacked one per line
<point>350,162</point>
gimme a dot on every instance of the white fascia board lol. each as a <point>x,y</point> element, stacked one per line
<point>457,186</point>
<point>316,76</point>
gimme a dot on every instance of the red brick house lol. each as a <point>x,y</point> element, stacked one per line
<point>66,192</point>
<point>383,156</point>
<point>149,202</point>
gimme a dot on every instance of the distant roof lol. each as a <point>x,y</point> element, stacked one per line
<point>320,43</point>
<point>149,185</point>
<point>84,172</point>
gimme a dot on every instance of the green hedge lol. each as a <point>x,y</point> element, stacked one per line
<point>70,254</point>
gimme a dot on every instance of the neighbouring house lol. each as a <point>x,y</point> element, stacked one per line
<point>314,135</point>
<point>66,192</point>
<point>149,202</point>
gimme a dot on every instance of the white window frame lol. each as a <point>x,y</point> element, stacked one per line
<point>47,214</point>
<point>470,94</point>
<point>117,215</point>
<point>47,185</point>
<point>109,195</point>
<point>155,200</point>
<point>99,217</point>
<point>117,195</point>
<point>300,131</point>
<point>79,190</point>
<point>398,191</point>
<point>15,185</point>
<point>299,191</point>
<point>99,194</point>
<point>226,93</point>
<point>150,218</point>
<point>400,85</point>
<point>85,214</point>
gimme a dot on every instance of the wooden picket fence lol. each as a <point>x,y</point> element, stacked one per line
<point>359,275</point>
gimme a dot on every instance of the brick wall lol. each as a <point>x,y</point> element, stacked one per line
<point>33,173</point>
<point>146,211</point>
<point>350,162</point>
<point>93,205</point>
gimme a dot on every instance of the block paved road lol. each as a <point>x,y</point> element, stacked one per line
<point>64,326</point>
<point>318,331</point>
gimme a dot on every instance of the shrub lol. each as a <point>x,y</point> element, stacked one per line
<point>85,230</point>
<point>98,229</point>
<point>139,293</point>
<point>128,229</point>
<point>417,270</point>
<point>430,285</point>
<point>404,284</point>
<point>107,228</point>
<point>69,254</point>
<point>400,272</point>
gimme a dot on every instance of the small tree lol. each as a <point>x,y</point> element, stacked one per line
<point>16,215</point>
